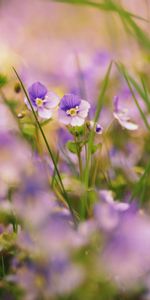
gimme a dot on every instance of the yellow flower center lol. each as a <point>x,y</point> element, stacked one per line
<point>39,102</point>
<point>73,111</point>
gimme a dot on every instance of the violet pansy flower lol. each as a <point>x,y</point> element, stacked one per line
<point>42,101</point>
<point>73,110</point>
<point>121,115</point>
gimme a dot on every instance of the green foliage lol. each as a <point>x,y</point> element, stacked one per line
<point>29,129</point>
<point>128,80</point>
<point>72,147</point>
<point>96,147</point>
<point>7,240</point>
<point>12,104</point>
<point>77,130</point>
<point>126,17</point>
<point>60,182</point>
<point>100,102</point>
<point>3,80</point>
<point>140,186</point>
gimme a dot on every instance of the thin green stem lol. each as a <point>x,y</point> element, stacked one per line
<point>14,219</point>
<point>46,143</point>
<point>41,130</point>
<point>92,133</point>
<point>79,156</point>
<point>3,266</point>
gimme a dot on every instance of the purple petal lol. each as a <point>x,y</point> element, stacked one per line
<point>116,100</point>
<point>99,129</point>
<point>37,90</point>
<point>28,104</point>
<point>69,101</point>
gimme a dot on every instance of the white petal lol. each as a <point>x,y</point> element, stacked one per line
<point>63,118</point>
<point>84,109</point>
<point>125,122</point>
<point>51,100</point>
<point>28,104</point>
<point>44,113</point>
<point>122,206</point>
<point>129,125</point>
<point>77,121</point>
<point>120,116</point>
<point>123,117</point>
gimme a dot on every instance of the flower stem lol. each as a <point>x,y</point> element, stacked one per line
<point>79,156</point>
<point>3,266</point>
<point>47,145</point>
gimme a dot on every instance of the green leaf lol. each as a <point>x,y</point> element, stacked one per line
<point>72,147</point>
<point>12,104</point>
<point>3,80</point>
<point>44,123</point>
<point>28,129</point>
<point>96,147</point>
<point>77,130</point>
<point>7,240</point>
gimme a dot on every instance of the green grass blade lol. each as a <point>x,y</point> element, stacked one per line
<point>142,91</point>
<point>146,93</point>
<point>40,128</point>
<point>46,143</point>
<point>139,187</point>
<point>127,79</point>
<point>140,35</point>
<point>106,5</point>
<point>86,174</point>
<point>126,17</point>
<point>92,134</point>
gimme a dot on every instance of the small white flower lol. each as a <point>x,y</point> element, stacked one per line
<point>121,115</point>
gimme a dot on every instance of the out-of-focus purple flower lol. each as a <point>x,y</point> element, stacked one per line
<point>126,253</point>
<point>63,137</point>
<point>108,212</point>
<point>73,110</point>
<point>10,144</point>
<point>7,123</point>
<point>121,115</point>
<point>127,159</point>
<point>56,277</point>
<point>97,127</point>
<point>42,101</point>
<point>102,58</point>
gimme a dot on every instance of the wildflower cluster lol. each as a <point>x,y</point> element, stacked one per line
<point>74,161</point>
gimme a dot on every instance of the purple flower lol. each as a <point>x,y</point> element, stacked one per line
<point>42,101</point>
<point>108,212</point>
<point>122,116</point>
<point>73,110</point>
<point>126,253</point>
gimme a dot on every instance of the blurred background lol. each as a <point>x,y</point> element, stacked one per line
<point>41,37</point>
